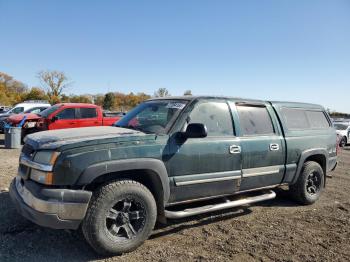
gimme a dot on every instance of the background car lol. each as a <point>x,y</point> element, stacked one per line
<point>343,131</point>
<point>24,106</point>
<point>34,110</point>
<point>4,109</point>
<point>60,116</point>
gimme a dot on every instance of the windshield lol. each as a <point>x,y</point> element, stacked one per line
<point>49,111</point>
<point>340,126</point>
<point>152,116</point>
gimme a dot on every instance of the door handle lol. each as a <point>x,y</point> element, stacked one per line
<point>235,149</point>
<point>274,147</point>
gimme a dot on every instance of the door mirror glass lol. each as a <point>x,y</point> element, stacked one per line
<point>195,130</point>
<point>55,118</point>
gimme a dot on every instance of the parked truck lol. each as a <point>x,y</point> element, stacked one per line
<point>116,182</point>
<point>65,115</point>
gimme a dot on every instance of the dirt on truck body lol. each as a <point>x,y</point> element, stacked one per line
<point>276,230</point>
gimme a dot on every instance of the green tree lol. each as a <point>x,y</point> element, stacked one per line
<point>65,98</point>
<point>108,101</point>
<point>35,93</point>
<point>188,93</point>
<point>98,99</point>
<point>80,99</point>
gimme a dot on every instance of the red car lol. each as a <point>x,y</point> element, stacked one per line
<point>66,115</point>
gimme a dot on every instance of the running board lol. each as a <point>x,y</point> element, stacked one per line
<point>210,208</point>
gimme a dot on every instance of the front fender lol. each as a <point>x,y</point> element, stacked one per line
<point>157,166</point>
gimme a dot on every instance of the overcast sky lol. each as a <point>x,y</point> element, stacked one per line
<point>274,50</point>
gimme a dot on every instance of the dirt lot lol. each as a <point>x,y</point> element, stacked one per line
<point>276,230</point>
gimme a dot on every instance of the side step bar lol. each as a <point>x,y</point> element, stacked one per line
<point>210,208</point>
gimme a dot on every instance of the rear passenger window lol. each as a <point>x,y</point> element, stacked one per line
<point>254,120</point>
<point>88,113</point>
<point>295,118</point>
<point>215,116</point>
<point>317,119</point>
<point>298,119</point>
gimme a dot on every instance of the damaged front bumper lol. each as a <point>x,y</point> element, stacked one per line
<point>49,207</point>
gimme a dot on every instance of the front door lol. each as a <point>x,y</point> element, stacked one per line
<point>210,166</point>
<point>66,118</point>
<point>262,146</point>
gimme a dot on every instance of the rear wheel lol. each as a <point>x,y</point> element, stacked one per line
<point>121,216</point>
<point>309,185</point>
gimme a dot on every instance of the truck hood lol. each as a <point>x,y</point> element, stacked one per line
<point>16,118</point>
<point>75,137</point>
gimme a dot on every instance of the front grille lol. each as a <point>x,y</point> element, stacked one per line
<point>28,150</point>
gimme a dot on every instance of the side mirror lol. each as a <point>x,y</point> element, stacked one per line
<point>55,118</point>
<point>195,130</point>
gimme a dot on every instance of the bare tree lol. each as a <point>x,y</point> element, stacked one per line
<point>54,82</point>
<point>162,92</point>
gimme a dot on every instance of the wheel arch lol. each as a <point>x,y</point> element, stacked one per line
<point>149,172</point>
<point>319,156</point>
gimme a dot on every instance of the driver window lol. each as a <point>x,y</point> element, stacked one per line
<point>215,116</point>
<point>68,113</point>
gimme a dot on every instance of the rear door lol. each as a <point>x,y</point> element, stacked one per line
<point>88,116</point>
<point>65,118</point>
<point>262,145</point>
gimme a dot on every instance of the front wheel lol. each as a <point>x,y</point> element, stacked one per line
<point>309,185</point>
<point>120,217</point>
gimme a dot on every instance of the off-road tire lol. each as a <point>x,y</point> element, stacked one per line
<point>95,225</point>
<point>300,191</point>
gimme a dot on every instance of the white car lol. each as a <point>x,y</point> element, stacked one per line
<point>343,131</point>
<point>26,105</point>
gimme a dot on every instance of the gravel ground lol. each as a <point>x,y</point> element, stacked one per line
<point>277,230</point>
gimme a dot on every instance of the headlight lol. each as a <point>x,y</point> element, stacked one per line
<point>47,158</point>
<point>31,124</point>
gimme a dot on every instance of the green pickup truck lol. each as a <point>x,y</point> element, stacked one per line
<point>115,182</point>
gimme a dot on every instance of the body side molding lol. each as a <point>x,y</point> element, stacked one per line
<point>206,177</point>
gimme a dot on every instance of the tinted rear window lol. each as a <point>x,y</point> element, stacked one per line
<point>254,120</point>
<point>88,113</point>
<point>317,119</point>
<point>297,119</point>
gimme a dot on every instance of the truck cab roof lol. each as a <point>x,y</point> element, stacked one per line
<point>243,100</point>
